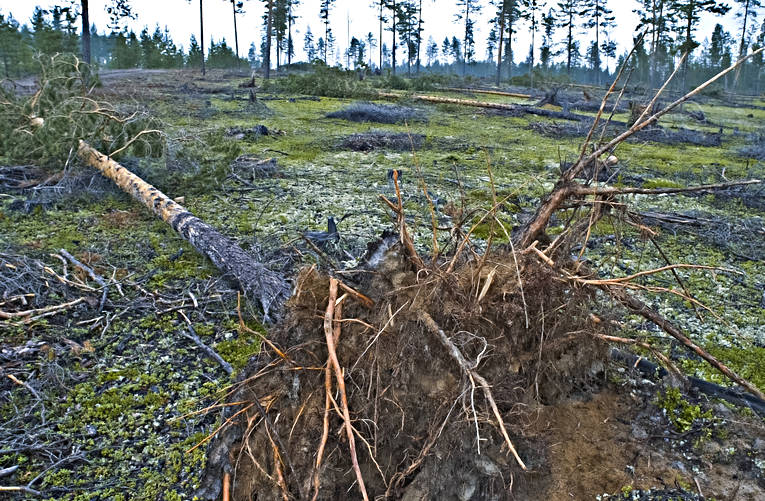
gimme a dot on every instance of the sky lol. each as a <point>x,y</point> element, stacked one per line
<point>347,17</point>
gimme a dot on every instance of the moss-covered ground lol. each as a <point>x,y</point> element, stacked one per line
<point>116,420</point>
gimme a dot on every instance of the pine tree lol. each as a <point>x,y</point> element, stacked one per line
<point>468,8</point>
<point>394,7</point>
<point>371,44</point>
<point>201,35</point>
<point>748,11</point>
<point>569,12</point>
<point>194,57</point>
<point>719,56</point>
<point>407,29</point>
<point>237,7</point>
<point>268,34</point>
<point>599,18</point>
<point>16,55</point>
<point>530,9</point>
<point>507,13</point>
<point>308,45</point>
<point>85,14</point>
<point>655,16</point>
<point>291,17</point>
<point>324,16</point>
<point>431,51</point>
<point>446,48</point>
<point>546,52</point>
<point>689,13</point>
<point>491,43</point>
<point>381,4</point>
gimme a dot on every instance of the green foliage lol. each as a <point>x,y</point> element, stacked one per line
<point>324,81</point>
<point>681,413</point>
<point>44,129</point>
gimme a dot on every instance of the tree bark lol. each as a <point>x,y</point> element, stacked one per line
<point>258,282</point>
<point>202,35</point>
<point>267,55</point>
<point>236,34</point>
<point>85,32</point>
<point>501,42</point>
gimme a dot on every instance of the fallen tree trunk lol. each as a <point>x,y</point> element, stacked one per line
<point>515,108</point>
<point>257,281</point>
<point>489,91</point>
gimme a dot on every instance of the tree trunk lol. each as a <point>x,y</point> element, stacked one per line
<point>393,20</point>
<point>380,42</point>
<point>257,281</point>
<point>597,42</point>
<point>531,54</point>
<point>509,50</point>
<point>202,35</point>
<point>742,44</point>
<point>419,35</point>
<point>85,32</point>
<point>289,33</point>
<point>570,42</point>
<point>236,34</point>
<point>501,42</point>
<point>465,48</point>
<point>267,58</point>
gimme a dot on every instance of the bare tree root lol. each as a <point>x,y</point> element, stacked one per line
<point>470,372</point>
<point>340,378</point>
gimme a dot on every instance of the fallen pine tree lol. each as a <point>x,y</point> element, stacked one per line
<point>257,281</point>
<point>518,109</point>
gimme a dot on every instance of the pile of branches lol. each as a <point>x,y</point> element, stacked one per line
<point>44,129</point>
<point>416,377</point>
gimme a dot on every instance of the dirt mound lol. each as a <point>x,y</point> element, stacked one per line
<point>379,113</point>
<point>380,139</point>
<point>424,427</point>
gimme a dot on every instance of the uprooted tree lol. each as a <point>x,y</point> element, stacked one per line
<point>408,364</point>
<point>420,371</point>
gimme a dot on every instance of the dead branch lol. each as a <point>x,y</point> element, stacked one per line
<point>605,191</point>
<point>193,336</point>
<point>92,274</point>
<point>637,306</point>
<point>566,187</point>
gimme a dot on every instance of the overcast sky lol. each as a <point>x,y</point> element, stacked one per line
<point>182,19</point>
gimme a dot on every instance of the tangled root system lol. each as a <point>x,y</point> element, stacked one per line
<point>423,428</point>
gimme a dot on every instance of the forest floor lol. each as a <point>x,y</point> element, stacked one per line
<point>117,403</point>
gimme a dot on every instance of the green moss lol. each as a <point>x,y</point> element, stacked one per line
<point>681,413</point>
<point>661,183</point>
<point>238,350</point>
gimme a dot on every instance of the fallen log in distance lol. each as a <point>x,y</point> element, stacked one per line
<point>489,91</point>
<point>517,108</point>
<point>258,282</point>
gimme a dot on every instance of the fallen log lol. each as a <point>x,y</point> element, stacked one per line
<point>515,108</point>
<point>258,282</point>
<point>489,91</point>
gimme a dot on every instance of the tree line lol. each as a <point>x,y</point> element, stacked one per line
<point>557,48</point>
